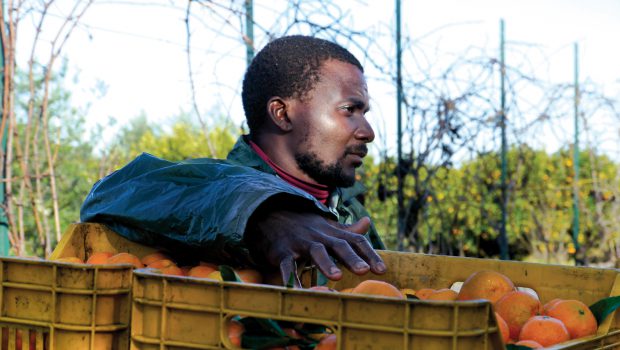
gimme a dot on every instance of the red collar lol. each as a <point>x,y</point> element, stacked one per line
<point>320,192</point>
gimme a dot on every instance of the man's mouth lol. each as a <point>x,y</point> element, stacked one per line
<point>360,151</point>
<point>357,154</point>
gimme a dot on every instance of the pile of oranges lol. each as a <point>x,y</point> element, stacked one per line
<point>521,317</point>
<point>381,288</point>
<point>163,263</point>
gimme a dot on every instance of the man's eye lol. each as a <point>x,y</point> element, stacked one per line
<point>350,109</point>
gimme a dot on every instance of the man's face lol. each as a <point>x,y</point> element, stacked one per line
<point>332,130</point>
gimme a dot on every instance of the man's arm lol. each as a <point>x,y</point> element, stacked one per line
<point>204,206</point>
<point>201,206</point>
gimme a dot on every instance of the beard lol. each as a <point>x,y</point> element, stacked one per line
<point>327,174</point>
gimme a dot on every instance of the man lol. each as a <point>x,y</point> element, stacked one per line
<point>286,192</point>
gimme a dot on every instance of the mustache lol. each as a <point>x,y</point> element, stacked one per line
<point>360,150</point>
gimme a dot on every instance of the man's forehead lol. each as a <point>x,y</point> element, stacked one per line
<point>346,74</point>
<point>338,65</point>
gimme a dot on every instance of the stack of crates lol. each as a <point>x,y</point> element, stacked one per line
<point>169,312</point>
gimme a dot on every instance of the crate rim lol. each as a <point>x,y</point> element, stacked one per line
<point>149,273</point>
<point>39,261</point>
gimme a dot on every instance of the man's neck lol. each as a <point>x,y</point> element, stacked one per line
<point>318,191</point>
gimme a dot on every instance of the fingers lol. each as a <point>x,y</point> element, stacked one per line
<point>321,258</point>
<point>367,252</point>
<point>307,236</point>
<point>361,251</point>
<point>353,250</point>
<point>288,268</point>
<point>343,250</point>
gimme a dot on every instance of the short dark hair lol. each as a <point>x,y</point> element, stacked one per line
<point>286,67</point>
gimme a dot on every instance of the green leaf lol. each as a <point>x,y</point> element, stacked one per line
<point>229,274</point>
<point>604,307</point>
<point>251,326</point>
<point>321,280</point>
<point>271,325</point>
<point>291,280</point>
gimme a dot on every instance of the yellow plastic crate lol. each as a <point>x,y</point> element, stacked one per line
<point>66,306</point>
<point>549,281</point>
<point>62,306</point>
<point>176,312</point>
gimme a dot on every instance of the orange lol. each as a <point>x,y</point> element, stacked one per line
<point>186,270</point>
<point>503,328</point>
<point>99,258</point>
<point>235,331</point>
<point>153,257</point>
<point>424,293</point>
<point>200,271</point>
<point>529,343</point>
<point>544,330</point>
<point>346,290</point>
<point>443,294</point>
<point>161,264</point>
<point>576,316</point>
<point>125,258</point>
<point>516,308</point>
<point>375,287</point>
<point>485,284</point>
<point>549,304</point>
<point>71,259</point>
<point>328,343</point>
<point>172,270</point>
<point>249,276</point>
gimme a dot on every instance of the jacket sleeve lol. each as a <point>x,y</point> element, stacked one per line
<point>355,210</point>
<point>372,235</point>
<point>200,207</point>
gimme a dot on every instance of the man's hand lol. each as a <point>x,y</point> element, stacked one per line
<point>284,237</point>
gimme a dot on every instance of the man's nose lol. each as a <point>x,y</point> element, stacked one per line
<point>365,131</point>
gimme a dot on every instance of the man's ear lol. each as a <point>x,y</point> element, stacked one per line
<point>277,109</point>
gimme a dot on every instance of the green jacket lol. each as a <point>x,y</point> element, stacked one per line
<point>201,206</point>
